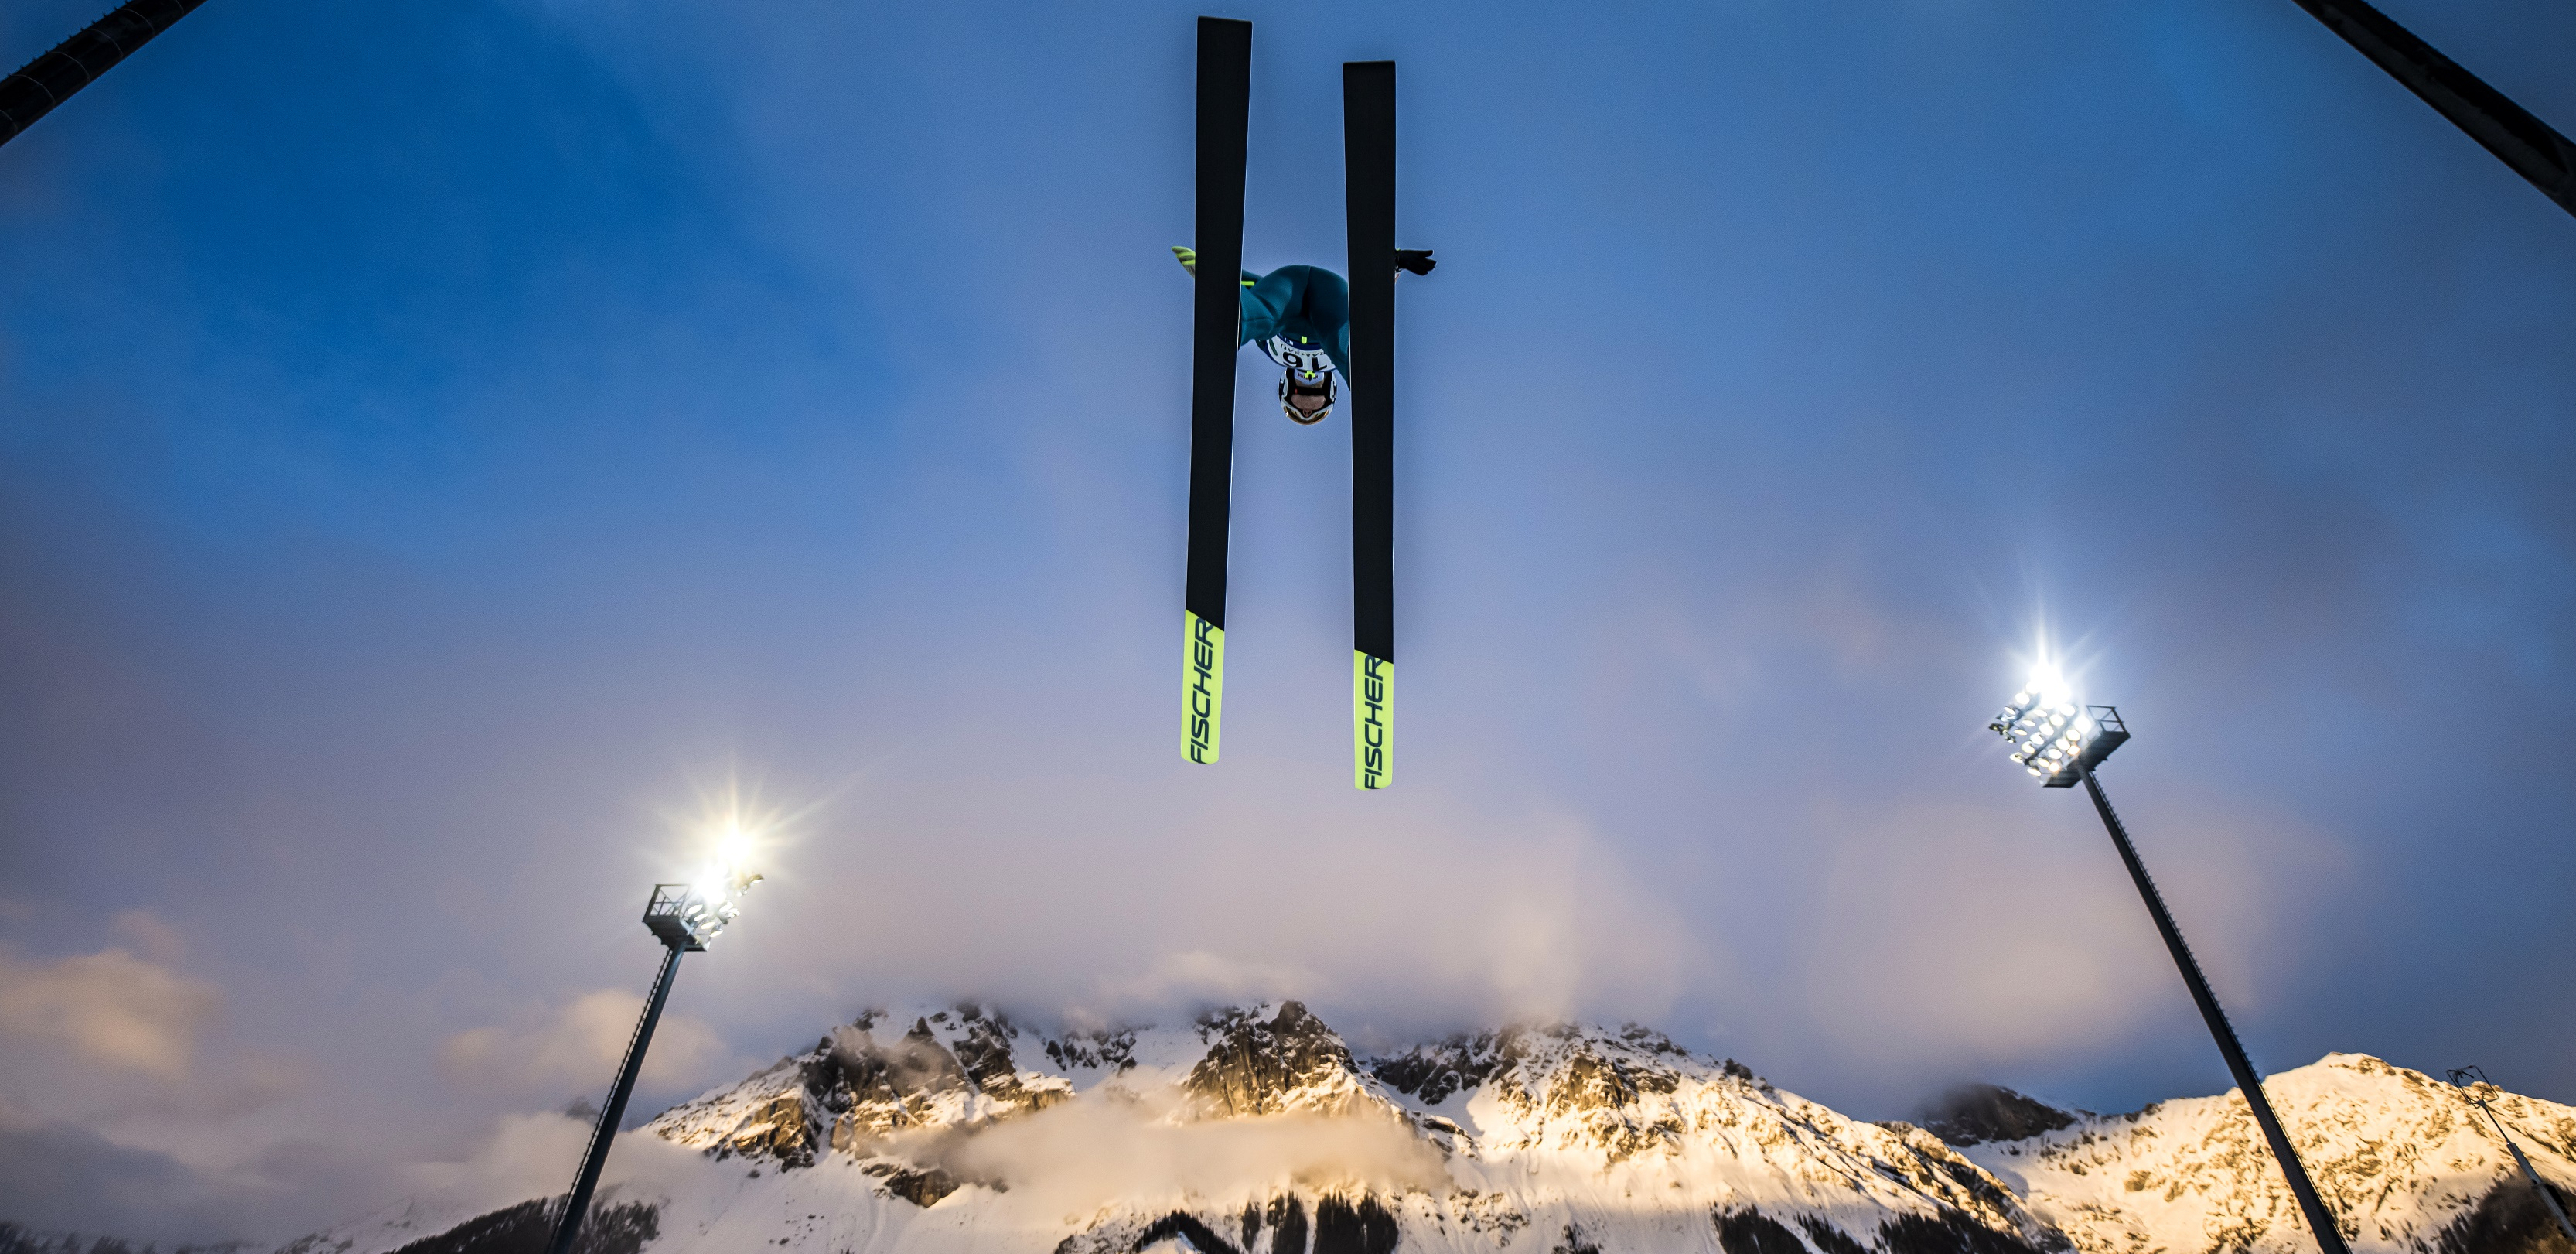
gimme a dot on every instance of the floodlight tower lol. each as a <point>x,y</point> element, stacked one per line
<point>2469,1079</point>
<point>2059,741</point>
<point>685,918</point>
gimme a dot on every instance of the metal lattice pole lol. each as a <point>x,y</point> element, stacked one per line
<point>577,1203</point>
<point>2320,1220</point>
<point>2467,1078</point>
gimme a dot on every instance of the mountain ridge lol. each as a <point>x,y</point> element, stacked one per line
<point>1258,1130</point>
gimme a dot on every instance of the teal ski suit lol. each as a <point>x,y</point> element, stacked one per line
<point>1308,305</point>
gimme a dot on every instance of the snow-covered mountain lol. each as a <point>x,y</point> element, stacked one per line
<point>1257,1131</point>
<point>2403,1160</point>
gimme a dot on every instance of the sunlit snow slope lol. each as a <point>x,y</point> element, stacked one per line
<point>2403,1160</point>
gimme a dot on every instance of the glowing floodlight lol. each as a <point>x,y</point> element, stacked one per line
<point>2054,737</point>
<point>690,916</point>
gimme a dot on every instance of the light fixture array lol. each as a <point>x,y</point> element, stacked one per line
<point>693,915</point>
<point>2051,734</point>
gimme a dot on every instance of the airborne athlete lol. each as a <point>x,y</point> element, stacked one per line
<point>1326,335</point>
<point>1301,317</point>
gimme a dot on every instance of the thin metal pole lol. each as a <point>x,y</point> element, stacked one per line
<point>2547,1196</point>
<point>75,63</point>
<point>2320,1221</point>
<point>577,1203</point>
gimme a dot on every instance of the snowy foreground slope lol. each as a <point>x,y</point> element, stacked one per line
<point>1256,1131</point>
<point>2403,1160</point>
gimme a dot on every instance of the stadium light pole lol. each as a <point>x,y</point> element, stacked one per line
<point>685,918</point>
<point>2469,1078</point>
<point>2059,741</point>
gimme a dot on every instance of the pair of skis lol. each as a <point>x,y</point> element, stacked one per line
<point>1368,147</point>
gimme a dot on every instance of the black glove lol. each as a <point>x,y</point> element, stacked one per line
<point>1417,260</point>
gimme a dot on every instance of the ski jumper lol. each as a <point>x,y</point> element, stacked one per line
<point>1309,306</point>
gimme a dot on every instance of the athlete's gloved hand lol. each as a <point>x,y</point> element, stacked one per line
<point>1190,262</point>
<point>1417,260</point>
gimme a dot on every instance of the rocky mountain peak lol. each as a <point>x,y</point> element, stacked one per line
<point>1288,1062</point>
<point>1563,1067</point>
<point>1975,1113</point>
<point>880,1074</point>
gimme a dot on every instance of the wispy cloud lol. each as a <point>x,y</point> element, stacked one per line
<point>1084,1153</point>
<point>576,1047</point>
<point>110,1011</point>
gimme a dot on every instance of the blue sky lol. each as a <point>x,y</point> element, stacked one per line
<point>442,445</point>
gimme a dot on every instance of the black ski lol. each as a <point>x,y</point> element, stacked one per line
<point>1368,154</point>
<point>1225,102</point>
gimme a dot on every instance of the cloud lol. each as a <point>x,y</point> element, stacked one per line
<point>158,941</point>
<point>1947,932</point>
<point>524,1156</point>
<point>533,1155</point>
<point>577,1048</point>
<point>122,1115</point>
<point>1422,912</point>
<point>1089,1151</point>
<point>59,1176</point>
<point>1954,937</point>
<point>1196,975</point>
<point>109,1009</point>
<point>56,1176</point>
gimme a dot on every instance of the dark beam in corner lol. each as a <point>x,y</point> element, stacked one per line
<point>2534,150</point>
<point>75,63</point>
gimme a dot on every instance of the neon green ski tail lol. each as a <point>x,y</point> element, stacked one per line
<point>1202,686</point>
<point>1372,720</point>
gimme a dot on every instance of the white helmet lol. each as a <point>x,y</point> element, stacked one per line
<point>1305,369</point>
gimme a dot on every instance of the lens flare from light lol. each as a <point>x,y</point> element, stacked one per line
<point>734,846</point>
<point>2047,685</point>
